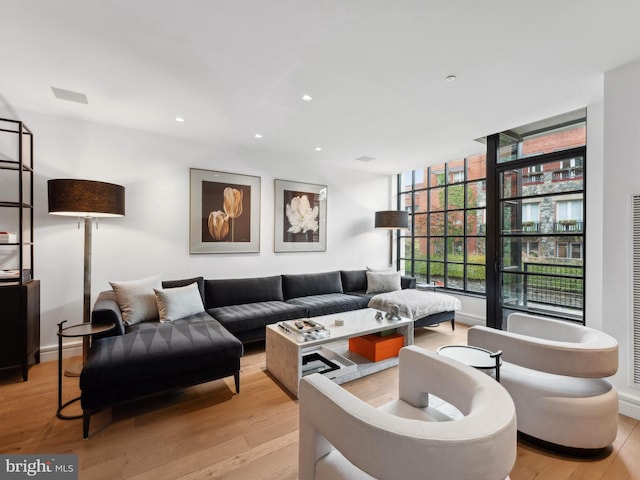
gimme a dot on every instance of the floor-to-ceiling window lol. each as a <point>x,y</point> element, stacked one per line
<point>447,208</point>
<point>537,172</point>
<point>509,224</point>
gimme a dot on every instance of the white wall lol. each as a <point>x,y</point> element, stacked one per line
<point>153,236</point>
<point>621,180</point>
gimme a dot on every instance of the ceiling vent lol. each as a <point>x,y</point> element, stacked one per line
<point>364,158</point>
<point>69,96</point>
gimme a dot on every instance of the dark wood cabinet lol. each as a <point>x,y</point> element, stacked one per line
<point>20,326</point>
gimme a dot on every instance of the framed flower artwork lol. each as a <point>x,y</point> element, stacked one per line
<point>301,217</point>
<point>224,212</point>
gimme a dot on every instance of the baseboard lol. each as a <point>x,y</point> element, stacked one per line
<point>50,352</point>
<point>470,319</point>
<point>629,405</point>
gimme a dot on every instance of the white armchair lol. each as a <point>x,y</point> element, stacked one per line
<point>342,437</point>
<point>554,372</point>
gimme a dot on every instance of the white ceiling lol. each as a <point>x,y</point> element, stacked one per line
<point>375,69</point>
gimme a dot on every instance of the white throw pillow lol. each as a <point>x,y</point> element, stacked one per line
<point>178,302</point>
<point>383,282</point>
<point>381,269</point>
<point>136,299</point>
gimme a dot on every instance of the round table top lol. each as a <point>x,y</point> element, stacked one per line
<point>469,355</point>
<point>84,329</point>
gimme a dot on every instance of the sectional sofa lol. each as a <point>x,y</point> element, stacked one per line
<point>149,357</point>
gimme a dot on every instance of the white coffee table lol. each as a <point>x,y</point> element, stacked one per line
<point>284,351</point>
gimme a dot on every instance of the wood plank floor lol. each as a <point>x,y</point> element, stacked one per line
<point>209,432</point>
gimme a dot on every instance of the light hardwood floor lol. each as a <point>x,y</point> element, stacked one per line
<point>207,431</point>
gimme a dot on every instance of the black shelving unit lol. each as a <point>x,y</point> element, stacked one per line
<point>19,292</point>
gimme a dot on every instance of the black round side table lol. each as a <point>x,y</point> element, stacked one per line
<point>79,330</point>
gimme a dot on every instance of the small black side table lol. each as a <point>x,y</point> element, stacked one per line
<point>79,330</point>
<point>475,357</point>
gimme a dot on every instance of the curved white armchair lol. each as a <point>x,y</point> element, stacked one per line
<point>554,372</point>
<point>342,437</point>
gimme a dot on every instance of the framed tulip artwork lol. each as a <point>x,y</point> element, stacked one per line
<point>301,217</point>
<point>224,212</point>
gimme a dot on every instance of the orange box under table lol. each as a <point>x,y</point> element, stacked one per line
<point>375,347</point>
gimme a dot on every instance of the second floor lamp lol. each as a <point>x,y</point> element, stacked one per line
<point>392,220</point>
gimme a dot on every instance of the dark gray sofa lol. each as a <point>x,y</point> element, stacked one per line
<point>150,357</point>
<point>246,305</point>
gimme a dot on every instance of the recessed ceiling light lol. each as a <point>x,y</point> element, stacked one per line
<point>318,149</point>
<point>307,98</point>
<point>179,119</point>
<point>450,78</point>
<point>258,135</point>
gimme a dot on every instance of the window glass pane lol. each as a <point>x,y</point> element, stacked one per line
<point>509,184</point>
<point>436,272</point>
<point>420,224</point>
<point>421,178</point>
<point>437,175</point>
<point>406,179</point>
<point>455,272</point>
<point>477,167</point>
<point>455,223</point>
<point>476,250</point>
<point>554,140</point>
<point>455,171</point>
<point>476,194</point>
<point>477,222</point>
<point>455,196</point>
<point>437,223</point>
<point>476,278</point>
<point>420,200</point>
<point>406,202</point>
<point>455,249</point>
<point>508,148</point>
<point>420,271</point>
<point>436,199</point>
<point>407,244</point>
<point>437,249</point>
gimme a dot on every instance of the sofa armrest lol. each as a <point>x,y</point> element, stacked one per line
<point>407,282</point>
<point>106,310</point>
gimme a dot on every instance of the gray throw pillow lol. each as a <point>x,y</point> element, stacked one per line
<point>178,302</point>
<point>383,282</point>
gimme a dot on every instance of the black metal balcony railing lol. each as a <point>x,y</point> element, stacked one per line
<point>556,285</point>
<point>568,174</point>
<point>568,226</point>
<point>531,227</point>
<point>533,178</point>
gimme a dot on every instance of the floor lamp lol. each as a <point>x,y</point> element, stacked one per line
<point>392,220</point>
<point>88,199</point>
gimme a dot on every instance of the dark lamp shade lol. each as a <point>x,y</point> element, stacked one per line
<point>392,219</point>
<point>85,198</point>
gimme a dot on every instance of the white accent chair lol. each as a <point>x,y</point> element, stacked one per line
<point>342,437</point>
<point>554,372</point>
